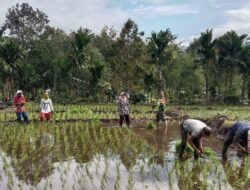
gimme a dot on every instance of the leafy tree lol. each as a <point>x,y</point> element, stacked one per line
<point>230,47</point>
<point>128,52</point>
<point>206,52</point>
<point>11,53</point>
<point>244,69</point>
<point>81,38</point>
<point>158,50</point>
<point>25,23</point>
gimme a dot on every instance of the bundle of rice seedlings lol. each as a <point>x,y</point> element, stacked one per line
<point>189,150</point>
<point>150,125</point>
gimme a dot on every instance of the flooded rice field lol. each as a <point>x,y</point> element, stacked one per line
<point>93,155</point>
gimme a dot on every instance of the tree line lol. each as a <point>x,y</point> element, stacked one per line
<point>84,66</point>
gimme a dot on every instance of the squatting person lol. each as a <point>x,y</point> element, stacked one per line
<point>123,108</point>
<point>46,107</point>
<point>238,134</point>
<point>196,130</point>
<point>19,102</point>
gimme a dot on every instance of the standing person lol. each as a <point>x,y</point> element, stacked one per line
<point>196,130</point>
<point>46,107</point>
<point>123,108</point>
<point>160,115</point>
<point>19,102</point>
<point>238,134</point>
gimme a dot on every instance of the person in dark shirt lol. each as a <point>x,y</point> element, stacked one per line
<point>238,134</point>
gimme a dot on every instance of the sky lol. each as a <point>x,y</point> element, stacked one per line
<point>185,18</point>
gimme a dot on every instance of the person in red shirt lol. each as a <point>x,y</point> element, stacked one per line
<point>19,102</point>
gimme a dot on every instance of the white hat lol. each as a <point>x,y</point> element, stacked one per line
<point>122,93</point>
<point>248,135</point>
<point>19,92</point>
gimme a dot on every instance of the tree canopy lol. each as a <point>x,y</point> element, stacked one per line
<point>84,66</point>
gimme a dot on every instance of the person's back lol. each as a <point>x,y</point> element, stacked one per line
<point>241,128</point>
<point>193,126</point>
<point>238,135</point>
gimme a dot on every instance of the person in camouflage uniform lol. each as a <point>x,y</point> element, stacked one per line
<point>123,108</point>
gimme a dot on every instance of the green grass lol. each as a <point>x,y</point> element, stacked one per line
<point>189,150</point>
<point>35,152</point>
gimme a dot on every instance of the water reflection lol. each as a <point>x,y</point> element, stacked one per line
<point>87,156</point>
<point>191,179</point>
<point>237,173</point>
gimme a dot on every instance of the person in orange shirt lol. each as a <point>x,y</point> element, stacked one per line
<point>19,102</point>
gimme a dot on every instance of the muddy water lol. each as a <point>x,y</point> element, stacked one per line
<point>104,156</point>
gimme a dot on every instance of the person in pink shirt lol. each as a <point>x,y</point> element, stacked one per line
<point>19,102</point>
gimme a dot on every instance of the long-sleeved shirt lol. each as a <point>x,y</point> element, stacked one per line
<point>123,106</point>
<point>46,106</point>
<point>239,131</point>
<point>19,102</point>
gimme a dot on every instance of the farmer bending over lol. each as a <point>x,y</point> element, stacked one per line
<point>46,107</point>
<point>196,130</point>
<point>238,134</point>
<point>19,102</point>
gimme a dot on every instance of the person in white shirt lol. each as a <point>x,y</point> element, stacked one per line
<point>46,107</point>
<point>196,130</point>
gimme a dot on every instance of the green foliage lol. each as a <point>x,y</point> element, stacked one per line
<point>137,98</point>
<point>188,148</point>
<point>25,23</point>
<point>90,67</point>
<point>150,125</point>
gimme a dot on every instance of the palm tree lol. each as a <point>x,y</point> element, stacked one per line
<point>244,69</point>
<point>158,50</point>
<point>81,39</point>
<point>230,54</point>
<point>206,53</point>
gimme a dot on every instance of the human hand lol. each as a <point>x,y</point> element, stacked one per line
<point>202,150</point>
<point>198,152</point>
<point>245,150</point>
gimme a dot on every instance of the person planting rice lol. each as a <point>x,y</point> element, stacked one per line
<point>46,107</point>
<point>19,102</point>
<point>239,135</point>
<point>160,115</point>
<point>196,130</point>
<point>123,108</point>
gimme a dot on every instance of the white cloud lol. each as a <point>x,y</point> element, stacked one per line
<point>70,15</point>
<point>238,20</point>
<point>164,10</point>
<point>94,14</point>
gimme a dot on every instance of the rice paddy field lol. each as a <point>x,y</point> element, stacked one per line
<point>83,148</point>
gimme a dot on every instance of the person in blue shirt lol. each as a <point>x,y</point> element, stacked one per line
<point>239,135</point>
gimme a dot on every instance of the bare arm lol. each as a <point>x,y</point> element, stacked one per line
<point>51,106</point>
<point>190,141</point>
<point>242,148</point>
<point>200,144</point>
